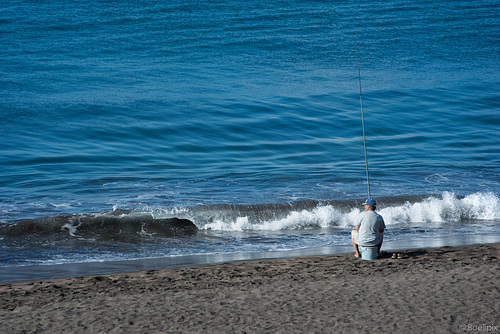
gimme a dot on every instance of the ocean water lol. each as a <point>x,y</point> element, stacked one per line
<point>132,130</point>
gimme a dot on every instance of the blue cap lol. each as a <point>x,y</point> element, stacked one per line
<point>370,202</point>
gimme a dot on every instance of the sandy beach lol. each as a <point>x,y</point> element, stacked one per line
<point>437,290</point>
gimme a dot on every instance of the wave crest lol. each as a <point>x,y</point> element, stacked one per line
<point>116,225</point>
<point>122,224</point>
<point>447,208</point>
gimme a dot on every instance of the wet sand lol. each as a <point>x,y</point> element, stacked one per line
<point>438,290</point>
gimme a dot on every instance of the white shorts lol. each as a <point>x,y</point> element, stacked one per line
<point>354,235</point>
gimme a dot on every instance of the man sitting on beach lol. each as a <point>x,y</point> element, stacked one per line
<point>369,230</point>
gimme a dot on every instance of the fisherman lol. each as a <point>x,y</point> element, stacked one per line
<point>369,230</point>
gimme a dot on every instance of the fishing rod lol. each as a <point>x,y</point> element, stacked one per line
<point>363,120</point>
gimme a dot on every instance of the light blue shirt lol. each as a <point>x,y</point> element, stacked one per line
<point>370,224</point>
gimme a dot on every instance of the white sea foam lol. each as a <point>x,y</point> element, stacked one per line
<point>72,229</point>
<point>144,233</point>
<point>319,217</point>
<point>448,208</point>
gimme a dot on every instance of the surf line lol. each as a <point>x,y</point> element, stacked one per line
<point>363,120</point>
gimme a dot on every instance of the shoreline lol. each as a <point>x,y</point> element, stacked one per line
<point>442,288</point>
<point>45,272</point>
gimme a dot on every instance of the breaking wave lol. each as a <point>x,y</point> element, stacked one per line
<point>118,225</point>
<point>447,208</point>
<point>481,208</point>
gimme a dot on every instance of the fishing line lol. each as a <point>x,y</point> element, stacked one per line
<point>363,119</point>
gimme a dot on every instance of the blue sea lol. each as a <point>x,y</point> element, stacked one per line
<point>152,133</point>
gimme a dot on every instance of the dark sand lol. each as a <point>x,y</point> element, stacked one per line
<point>435,290</point>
